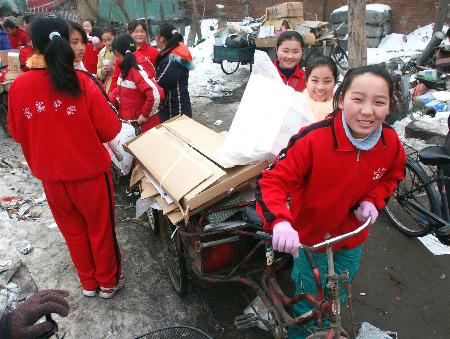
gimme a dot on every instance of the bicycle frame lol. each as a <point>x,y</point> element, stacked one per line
<point>268,289</point>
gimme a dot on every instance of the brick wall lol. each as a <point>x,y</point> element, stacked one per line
<point>406,15</point>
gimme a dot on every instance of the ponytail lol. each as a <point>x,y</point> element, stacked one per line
<point>125,46</point>
<point>173,38</point>
<point>50,36</point>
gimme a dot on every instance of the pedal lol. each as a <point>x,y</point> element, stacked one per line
<point>245,321</point>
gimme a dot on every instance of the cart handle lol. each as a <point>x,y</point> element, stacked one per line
<point>267,236</point>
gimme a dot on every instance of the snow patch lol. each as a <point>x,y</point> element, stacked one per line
<point>370,7</point>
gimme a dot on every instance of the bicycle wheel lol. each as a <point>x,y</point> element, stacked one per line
<point>176,332</point>
<point>229,67</point>
<point>153,220</point>
<point>173,257</point>
<point>340,58</point>
<point>405,218</point>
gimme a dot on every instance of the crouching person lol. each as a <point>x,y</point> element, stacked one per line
<point>61,118</point>
<point>337,172</point>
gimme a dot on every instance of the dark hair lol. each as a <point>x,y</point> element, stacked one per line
<point>90,21</point>
<point>352,74</point>
<point>321,61</point>
<point>125,45</point>
<point>173,37</point>
<point>290,35</point>
<point>108,29</point>
<point>133,25</point>
<point>77,27</point>
<point>57,52</point>
<point>9,24</point>
<point>28,18</point>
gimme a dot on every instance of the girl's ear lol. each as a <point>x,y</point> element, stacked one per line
<point>341,102</point>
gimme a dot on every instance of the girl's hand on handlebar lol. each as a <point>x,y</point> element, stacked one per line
<point>285,238</point>
<point>366,209</point>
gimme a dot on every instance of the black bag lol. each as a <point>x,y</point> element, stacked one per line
<point>235,41</point>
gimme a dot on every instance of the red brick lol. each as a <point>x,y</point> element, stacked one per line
<point>406,15</point>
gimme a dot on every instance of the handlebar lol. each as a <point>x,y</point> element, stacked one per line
<point>266,236</point>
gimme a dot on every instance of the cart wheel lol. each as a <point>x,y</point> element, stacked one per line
<point>251,67</point>
<point>173,257</point>
<point>229,67</point>
<point>153,220</point>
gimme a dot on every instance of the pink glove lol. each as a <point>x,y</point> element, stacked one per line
<point>285,238</point>
<point>365,210</point>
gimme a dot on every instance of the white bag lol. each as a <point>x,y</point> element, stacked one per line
<point>122,159</point>
<point>270,112</point>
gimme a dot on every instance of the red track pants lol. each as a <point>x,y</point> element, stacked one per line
<point>84,212</point>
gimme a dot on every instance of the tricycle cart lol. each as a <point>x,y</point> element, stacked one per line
<point>230,58</point>
<point>238,250</point>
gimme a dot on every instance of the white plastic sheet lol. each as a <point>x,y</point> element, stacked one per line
<point>119,156</point>
<point>270,112</point>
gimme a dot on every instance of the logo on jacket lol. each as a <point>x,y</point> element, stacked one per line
<point>377,174</point>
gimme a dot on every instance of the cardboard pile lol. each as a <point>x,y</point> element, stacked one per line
<point>176,168</point>
<point>278,19</point>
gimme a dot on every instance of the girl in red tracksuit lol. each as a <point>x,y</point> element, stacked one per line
<point>138,31</point>
<point>137,94</point>
<point>61,119</point>
<point>337,172</point>
<point>289,54</point>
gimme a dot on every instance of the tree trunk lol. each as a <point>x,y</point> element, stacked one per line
<point>144,2</point>
<point>326,11</point>
<point>196,29</point>
<point>357,50</point>
<point>121,4</point>
<point>441,15</point>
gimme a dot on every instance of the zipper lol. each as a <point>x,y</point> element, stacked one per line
<point>358,152</point>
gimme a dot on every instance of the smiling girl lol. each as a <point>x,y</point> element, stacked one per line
<point>337,172</point>
<point>289,54</point>
<point>321,78</point>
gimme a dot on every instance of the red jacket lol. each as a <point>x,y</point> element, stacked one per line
<point>90,58</point>
<point>24,54</point>
<point>145,52</point>
<point>19,40</point>
<point>327,177</point>
<point>138,94</point>
<point>61,135</point>
<point>296,80</point>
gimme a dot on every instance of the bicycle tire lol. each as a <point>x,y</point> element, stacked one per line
<point>229,67</point>
<point>404,218</point>
<point>173,253</point>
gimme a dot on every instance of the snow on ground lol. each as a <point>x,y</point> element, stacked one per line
<point>370,7</point>
<point>402,46</point>
<point>207,79</point>
<point>437,124</point>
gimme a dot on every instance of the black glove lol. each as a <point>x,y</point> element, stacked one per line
<point>45,302</point>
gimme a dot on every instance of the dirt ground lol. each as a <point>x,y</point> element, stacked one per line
<point>401,286</point>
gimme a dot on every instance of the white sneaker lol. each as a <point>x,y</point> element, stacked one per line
<point>90,294</point>
<point>108,293</point>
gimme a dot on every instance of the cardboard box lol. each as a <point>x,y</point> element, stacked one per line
<point>178,154</point>
<point>284,10</point>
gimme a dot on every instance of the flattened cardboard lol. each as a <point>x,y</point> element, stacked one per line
<point>286,9</point>
<point>147,189</point>
<point>235,176</point>
<point>203,139</point>
<point>173,163</point>
<point>166,207</point>
<point>136,175</point>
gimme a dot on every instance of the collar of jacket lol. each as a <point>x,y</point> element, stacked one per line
<point>36,61</point>
<point>341,141</point>
<point>297,73</point>
<point>182,55</point>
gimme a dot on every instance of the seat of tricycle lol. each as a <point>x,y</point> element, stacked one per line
<point>434,156</point>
